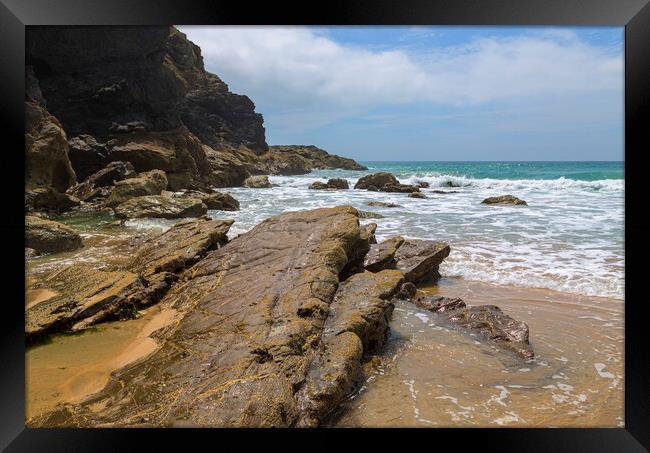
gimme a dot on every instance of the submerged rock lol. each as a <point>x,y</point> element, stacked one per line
<point>148,183</point>
<point>383,204</point>
<point>417,195</point>
<point>376,181</point>
<point>334,183</point>
<point>47,236</point>
<point>423,185</point>
<point>370,215</point>
<point>382,256</point>
<point>258,182</point>
<point>442,192</point>
<point>259,343</point>
<point>504,199</point>
<point>399,188</point>
<point>160,206</point>
<point>488,321</point>
<point>419,259</point>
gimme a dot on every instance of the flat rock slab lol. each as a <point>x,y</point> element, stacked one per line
<point>160,206</point>
<point>83,296</point>
<point>179,247</point>
<point>419,259</point>
<point>80,292</point>
<point>47,236</point>
<point>382,256</point>
<point>255,314</point>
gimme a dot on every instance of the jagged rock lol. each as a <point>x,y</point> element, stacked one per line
<point>46,150</point>
<point>504,199</point>
<point>419,259</point>
<point>46,236</point>
<point>399,188</point>
<point>160,206</point>
<point>87,155</point>
<point>30,253</point>
<point>213,200</point>
<point>439,304</point>
<point>381,256</point>
<point>445,191</point>
<point>491,323</point>
<point>383,204</point>
<point>334,183</point>
<point>49,200</point>
<point>376,180</point>
<point>358,324</point>
<point>407,291</point>
<point>97,186</point>
<point>258,182</point>
<point>257,329</point>
<point>369,232</point>
<point>370,215</point>
<point>488,321</point>
<point>417,195</point>
<point>148,183</point>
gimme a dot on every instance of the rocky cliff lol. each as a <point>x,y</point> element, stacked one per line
<point>97,95</point>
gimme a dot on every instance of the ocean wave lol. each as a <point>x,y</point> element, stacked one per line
<point>540,184</point>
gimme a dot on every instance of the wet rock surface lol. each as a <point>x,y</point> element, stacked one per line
<point>383,204</point>
<point>47,236</point>
<point>376,181</point>
<point>48,200</point>
<point>255,314</point>
<point>333,183</point>
<point>213,200</point>
<point>160,206</point>
<point>419,259</point>
<point>400,188</point>
<point>382,256</point>
<point>81,295</point>
<point>504,199</point>
<point>417,195</point>
<point>487,321</point>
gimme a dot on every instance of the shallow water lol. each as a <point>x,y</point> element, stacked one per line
<point>569,238</point>
<point>433,376</point>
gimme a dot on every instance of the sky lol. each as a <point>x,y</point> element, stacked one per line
<point>429,93</point>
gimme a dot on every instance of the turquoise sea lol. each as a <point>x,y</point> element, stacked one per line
<point>569,237</point>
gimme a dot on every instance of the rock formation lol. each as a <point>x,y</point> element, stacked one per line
<point>504,199</point>
<point>46,236</point>
<point>160,206</point>
<point>331,184</point>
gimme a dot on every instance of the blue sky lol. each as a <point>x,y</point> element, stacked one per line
<point>430,93</point>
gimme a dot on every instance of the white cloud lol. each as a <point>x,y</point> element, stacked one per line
<point>299,67</point>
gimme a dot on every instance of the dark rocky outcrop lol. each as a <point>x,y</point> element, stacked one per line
<point>419,259</point>
<point>48,200</point>
<point>46,236</point>
<point>504,199</point>
<point>376,180</point>
<point>301,159</point>
<point>407,291</point>
<point>99,185</point>
<point>488,321</point>
<point>141,94</point>
<point>382,256</point>
<point>147,183</point>
<point>400,188</point>
<point>333,183</point>
<point>370,215</point>
<point>443,192</point>
<point>160,206</point>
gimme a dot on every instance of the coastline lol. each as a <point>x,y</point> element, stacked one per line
<point>77,366</point>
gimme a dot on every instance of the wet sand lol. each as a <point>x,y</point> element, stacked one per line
<point>431,376</point>
<point>71,367</point>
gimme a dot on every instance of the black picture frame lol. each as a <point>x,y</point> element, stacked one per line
<point>15,15</point>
